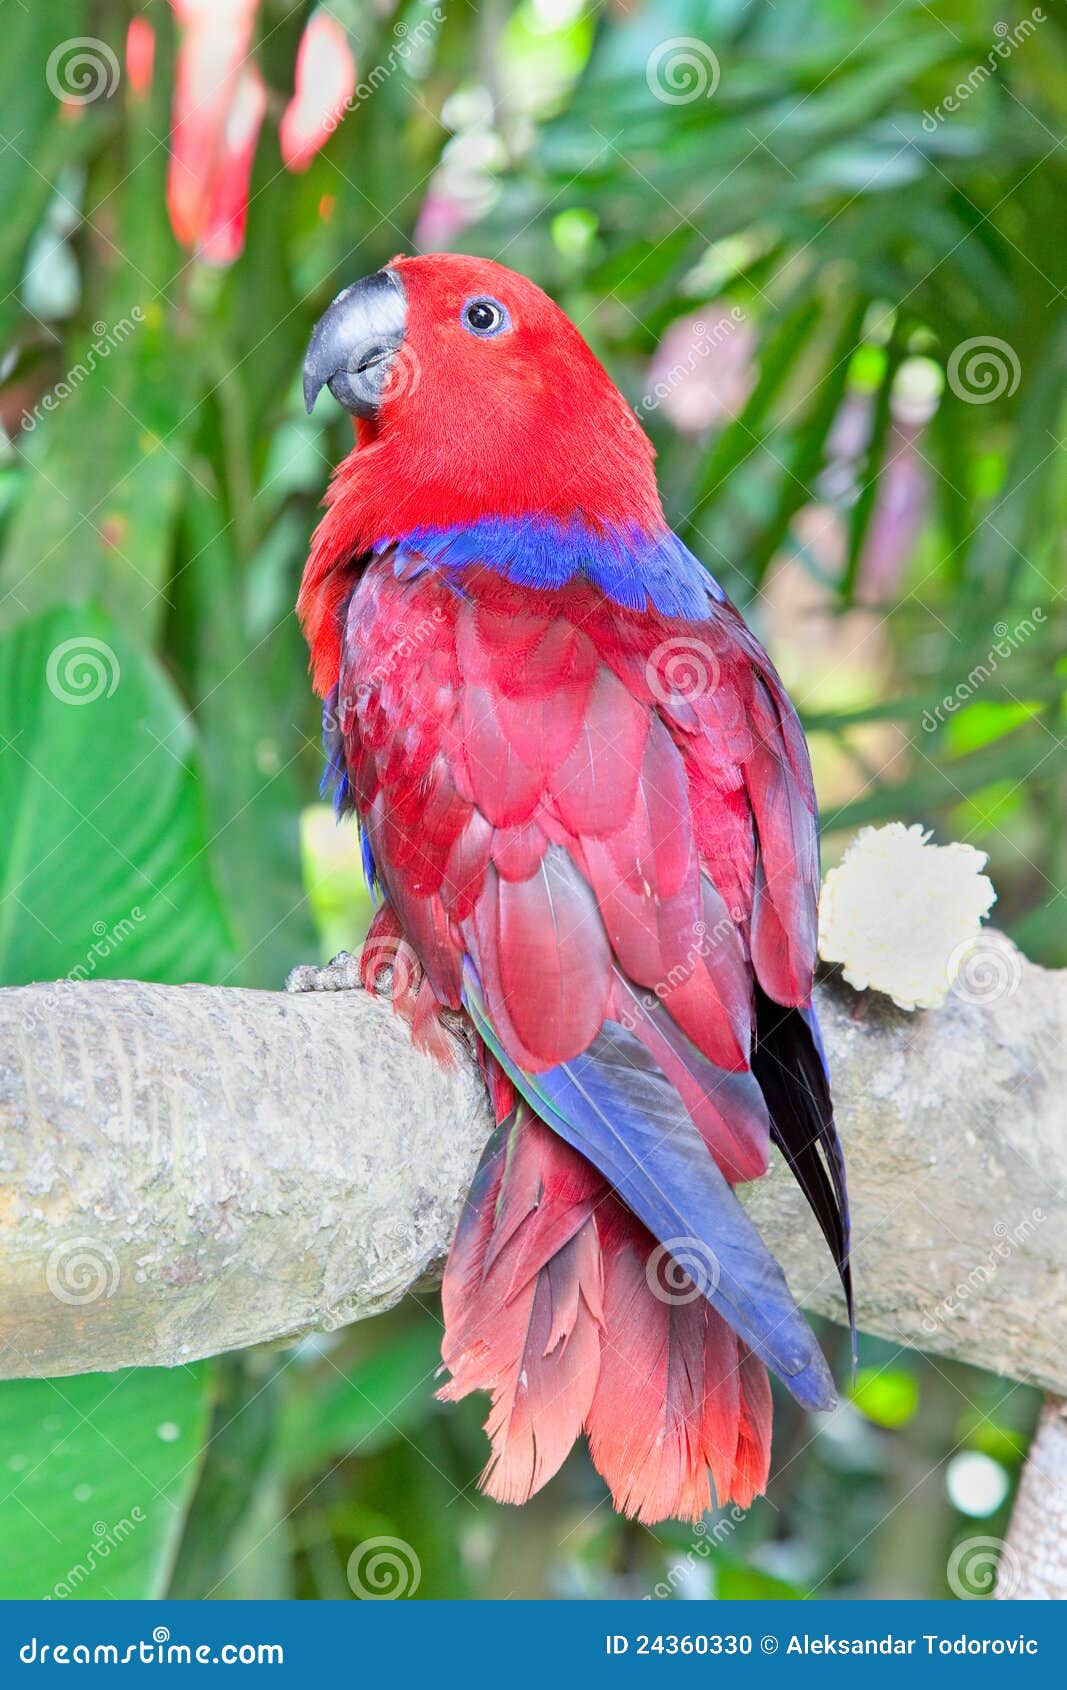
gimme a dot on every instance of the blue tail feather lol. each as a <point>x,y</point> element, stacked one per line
<point>613,1104</point>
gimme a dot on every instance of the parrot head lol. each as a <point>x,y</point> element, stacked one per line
<point>487,433</point>
<point>476,397</point>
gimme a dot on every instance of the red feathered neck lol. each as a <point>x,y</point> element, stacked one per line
<point>525,426</point>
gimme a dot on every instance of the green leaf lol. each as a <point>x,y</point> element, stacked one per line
<point>935,785</point>
<point>881,422</point>
<point>99,1471</point>
<point>1005,541</point>
<point>359,1408</point>
<point>107,451</point>
<point>259,1560</point>
<point>798,485</point>
<point>242,1436</point>
<point>734,1582</point>
<point>253,693</point>
<point>747,433</point>
<point>97,513</point>
<point>333,874</point>
<point>37,139</point>
<point>104,868</point>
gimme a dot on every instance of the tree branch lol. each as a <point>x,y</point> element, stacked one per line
<point>1033,1559</point>
<point>191,1169</point>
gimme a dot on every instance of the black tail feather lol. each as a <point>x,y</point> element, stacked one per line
<point>790,1067</point>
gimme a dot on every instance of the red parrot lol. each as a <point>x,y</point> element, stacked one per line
<point>586,804</point>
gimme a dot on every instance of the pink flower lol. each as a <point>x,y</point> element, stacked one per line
<point>703,369</point>
<point>441,220</point>
<point>219,101</point>
<point>223,233</point>
<point>140,56</point>
<point>325,79</point>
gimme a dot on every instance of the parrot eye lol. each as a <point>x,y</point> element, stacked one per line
<point>485,317</point>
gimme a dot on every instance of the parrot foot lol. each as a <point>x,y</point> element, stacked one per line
<point>388,967</point>
<point>341,974</point>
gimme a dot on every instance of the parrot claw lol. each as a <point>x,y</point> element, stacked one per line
<point>341,974</point>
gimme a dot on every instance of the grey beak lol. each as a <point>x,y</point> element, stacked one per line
<point>355,342</point>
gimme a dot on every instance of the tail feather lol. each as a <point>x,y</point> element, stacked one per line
<point>543,1397</point>
<point>522,1303</point>
<point>668,1403</point>
<point>789,1063</point>
<point>616,1106</point>
<point>553,1303</point>
<point>753,1460</point>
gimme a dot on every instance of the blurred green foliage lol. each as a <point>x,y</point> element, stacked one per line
<point>889,516</point>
